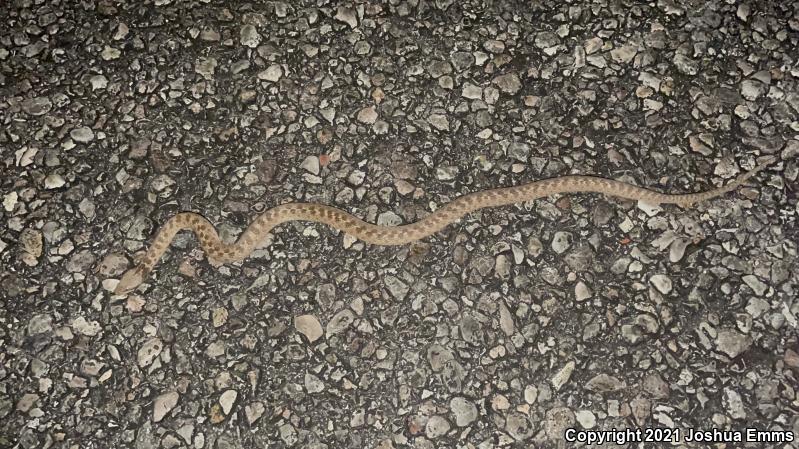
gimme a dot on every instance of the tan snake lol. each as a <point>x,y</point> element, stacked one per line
<point>219,252</point>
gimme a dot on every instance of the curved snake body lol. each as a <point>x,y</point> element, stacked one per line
<point>219,252</point>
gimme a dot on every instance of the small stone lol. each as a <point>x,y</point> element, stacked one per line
<point>346,15</point>
<point>254,411</point>
<point>219,316</point>
<point>163,404</point>
<point>437,426</point>
<point>506,320</point>
<point>632,333</point>
<point>9,201</point>
<point>396,287</point>
<point>367,115</point>
<point>389,218</point>
<point>586,419</point>
<point>500,402</point>
<point>558,419</point>
<point>755,284</point>
<point>339,322</point>
<point>494,46</point>
<point>227,399</point>
<point>534,247</point>
<point>623,54</point>
<point>471,91</point>
<point>311,165</point>
<point>563,376</point>
<point>98,82</point>
<point>582,292</point>
<point>732,343</point>
<point>54,181</point>
<point>510,83</point>
<point>561,242</point>
<point>40,324</point>
<point>734,404</point>
<point>743,11</point>
<point>313,384</point>
<point>752,89</point>
<point>249,36</point>
<point>31,246</point>
<point>465,411</point>
<point>592,45</point>
<point>206,67</point>
<point>603,383</point>
<point>26,402</point>
<point>149,351</point>
<point>519,151</point>
<point>662,283</point>
<point>37,106</point>
<point>122,32</point>
<point>273,73</point>
<point>83,134</point>
<point>87,328</point>
<point>439,122</point>
<point>530,394</point>
<point>309,326</point>
<point>288,434</point>
<point>791,358</point>
<point>685,64</point>
<point>519,426</point>
<point>110,53</point>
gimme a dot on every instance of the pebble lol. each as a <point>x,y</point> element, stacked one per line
<point>54,181</point>
<point>561,242</point>
<point>149,351</point>
<point>347,15</point>
<point>367,115</point>
<point>311,165</point>
<point>227,399</point>
<point>464,410</point>
<point>163,404</point>
<point>439,122</point>
<point>562,377</point>
<point>472,92</point>
<point>37,106</point>
<point>662,283</point>
<point>309,326</point>
<point>249,36</point>
<point>98,82</point>
<point>586,419</point>
<point>254,411</point>
<point>582,292</point>
<point>339,322</point>
<point>273,73</point>
<point>509,83</point>
<point>436,427</point>
<point>732,343</point>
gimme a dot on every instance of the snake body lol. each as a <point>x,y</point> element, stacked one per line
<point>219,252</point>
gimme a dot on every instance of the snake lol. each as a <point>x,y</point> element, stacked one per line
<point>218,253</point>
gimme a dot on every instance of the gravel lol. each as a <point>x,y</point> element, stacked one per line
<point>502,330</point>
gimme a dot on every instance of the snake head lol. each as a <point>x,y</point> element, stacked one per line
<point>130,280</point>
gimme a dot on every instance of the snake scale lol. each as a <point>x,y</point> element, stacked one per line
<point>219,252</point>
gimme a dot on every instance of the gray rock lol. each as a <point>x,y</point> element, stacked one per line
<point>339,322</point>
<point>163,404</point>
<point>732,343</point>
<point>83,134</point>
<point>464,410</point>
<point>249,37</point>
<point>509,83</point>
<point>436,427</point>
